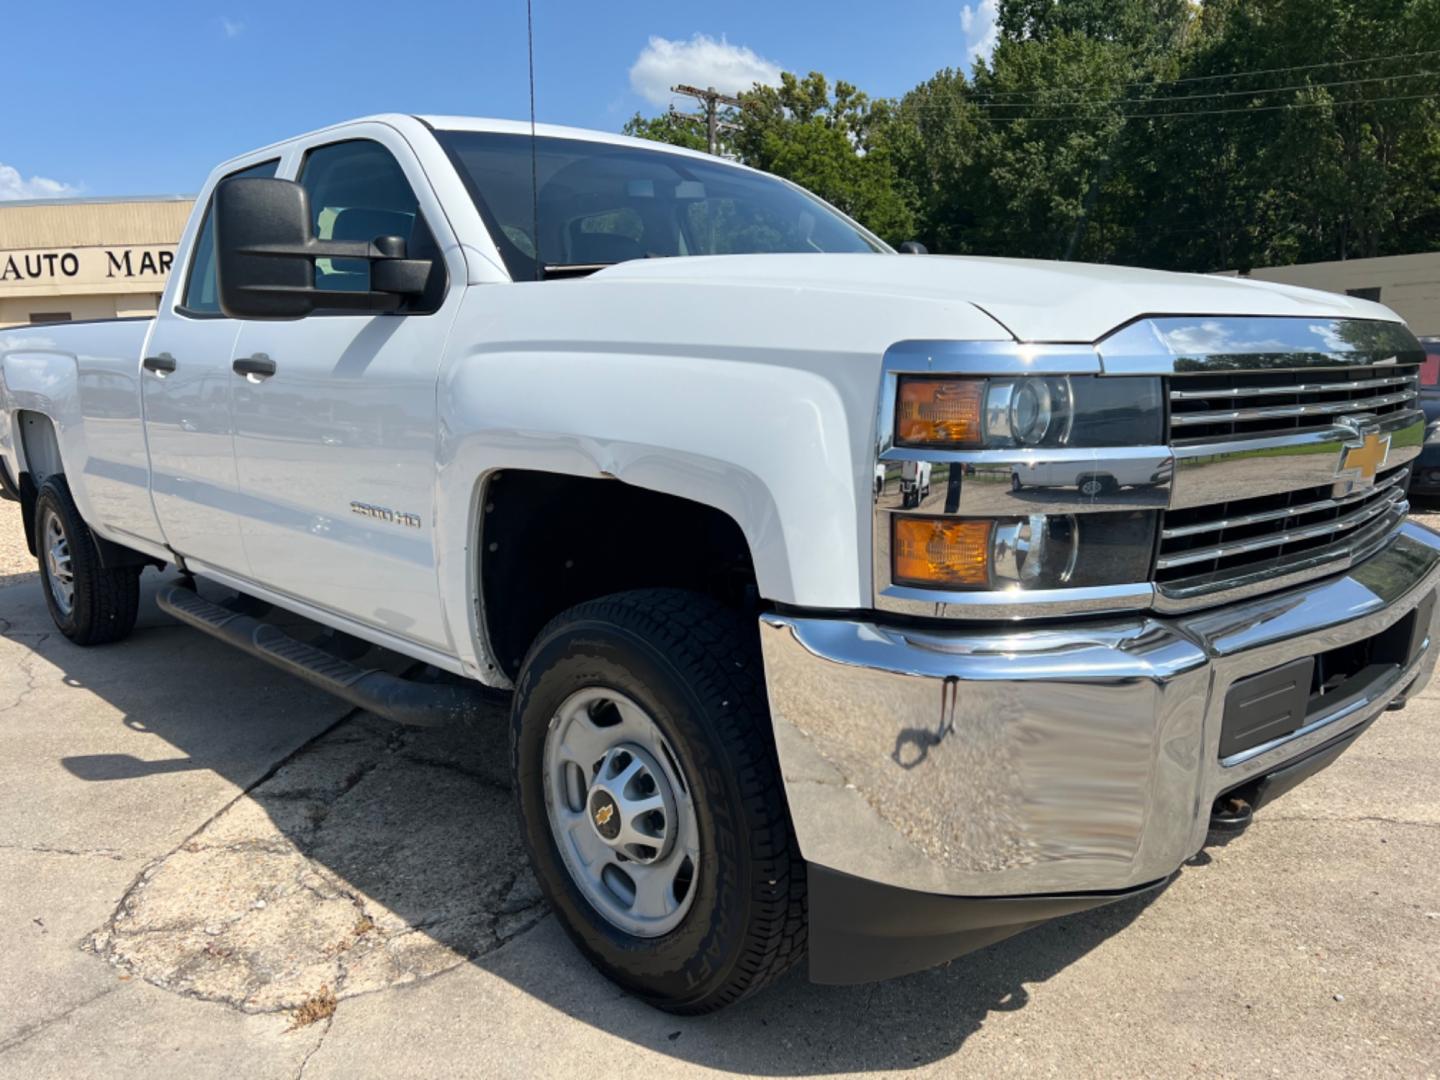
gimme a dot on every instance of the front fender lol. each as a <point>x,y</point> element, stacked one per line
<point>769,447</point>
<point>757,399</point>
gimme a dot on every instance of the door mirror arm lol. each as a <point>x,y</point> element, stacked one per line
<point>266,253</point>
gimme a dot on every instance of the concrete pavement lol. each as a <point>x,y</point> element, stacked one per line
<point>195,850</point>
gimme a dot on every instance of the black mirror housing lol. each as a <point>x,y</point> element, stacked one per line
<point>266,252</point>
<point>252,218</point>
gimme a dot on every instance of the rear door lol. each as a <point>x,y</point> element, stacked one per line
<point>187,387</point>
<point>336,450</point>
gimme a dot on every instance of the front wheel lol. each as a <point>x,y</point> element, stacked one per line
<point>91,604</point>
<point>650,798</point>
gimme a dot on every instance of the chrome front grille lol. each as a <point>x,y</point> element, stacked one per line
<point>1204,547</point>
<point>1246,404</point>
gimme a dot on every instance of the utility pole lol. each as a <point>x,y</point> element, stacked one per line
<point>711,99</point>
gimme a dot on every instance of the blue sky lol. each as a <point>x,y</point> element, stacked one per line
<point>113,98</point>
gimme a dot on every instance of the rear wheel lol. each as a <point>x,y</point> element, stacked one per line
<point>89,603</point>
<point>651,800</point>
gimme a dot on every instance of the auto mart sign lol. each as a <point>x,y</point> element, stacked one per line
<point>42,268</point>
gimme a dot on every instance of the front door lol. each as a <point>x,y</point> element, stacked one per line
<point>336,450</point>
<point>187,387</point>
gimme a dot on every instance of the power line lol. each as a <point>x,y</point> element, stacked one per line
<point>1195,97</point>
<point>1073,117</point>
<point>1235,74</point>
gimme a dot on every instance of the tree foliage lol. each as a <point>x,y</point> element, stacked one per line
<point>1168,133</point>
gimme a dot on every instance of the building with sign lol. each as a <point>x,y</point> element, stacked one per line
<point>69,259</point>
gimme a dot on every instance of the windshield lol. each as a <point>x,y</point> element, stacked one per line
<point>600,204</point>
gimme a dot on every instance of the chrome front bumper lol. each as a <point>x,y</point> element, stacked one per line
<point>998,762</point>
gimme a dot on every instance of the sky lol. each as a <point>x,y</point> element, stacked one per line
<point>143,98</point>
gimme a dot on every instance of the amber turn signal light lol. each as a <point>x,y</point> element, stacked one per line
<point>931,552</point>
<point>939,412</point>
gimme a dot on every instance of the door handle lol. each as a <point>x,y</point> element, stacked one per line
<point>259,365</point>
<point>163,364</point>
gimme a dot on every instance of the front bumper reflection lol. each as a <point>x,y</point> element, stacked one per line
<point>998,762</point>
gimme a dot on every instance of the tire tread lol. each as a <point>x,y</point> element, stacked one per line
<point>714,651</point>
<point>107,599</point>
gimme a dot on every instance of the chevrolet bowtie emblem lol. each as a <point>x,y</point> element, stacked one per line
<point>604,814</point>
<point>1363,457</point>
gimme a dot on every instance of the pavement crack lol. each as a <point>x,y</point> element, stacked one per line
<point>102,938</point>
<point>324,1031</point>
<point>25,1034</point>
<point>32,677</point>
<point>482,778</point>
<point>45,849</point>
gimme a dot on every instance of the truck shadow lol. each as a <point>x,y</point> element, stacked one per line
<point>417,829</point>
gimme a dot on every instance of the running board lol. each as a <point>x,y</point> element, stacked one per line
<point>379,692</point>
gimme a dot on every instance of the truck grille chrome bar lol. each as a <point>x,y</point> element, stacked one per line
<point>1233,539</point>
<point>1297,388</point>
<point>1245,403</point>
<point>1282,513</point>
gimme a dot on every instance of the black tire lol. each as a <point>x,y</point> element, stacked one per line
<point>1095,484</point>
<point>105,601</point>
<point>696,668</point>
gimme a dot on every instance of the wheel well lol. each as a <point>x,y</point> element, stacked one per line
<point>549,542</point>
<point>40,448</point>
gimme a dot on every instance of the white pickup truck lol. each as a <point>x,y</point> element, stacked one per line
<point>725,489</point>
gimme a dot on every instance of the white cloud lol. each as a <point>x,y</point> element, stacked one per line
<point>15,186</point>
<point>702,61</point>
<point>981,33</point>
<point>233,27</point>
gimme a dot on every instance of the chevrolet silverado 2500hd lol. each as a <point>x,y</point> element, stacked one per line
<point>724,489</point>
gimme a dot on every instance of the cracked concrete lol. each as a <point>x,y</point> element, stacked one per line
<point>335,872</point>
<point>154,795</point>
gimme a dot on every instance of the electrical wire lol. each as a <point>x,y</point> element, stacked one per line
<point>983,103</point>
<point>1238,74</point>
<point>1162,115</point>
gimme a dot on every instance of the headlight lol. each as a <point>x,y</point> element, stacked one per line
<point>1041,551</point>
<point>1067,410</point>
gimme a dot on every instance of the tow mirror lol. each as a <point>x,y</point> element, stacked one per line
<point>266,252</point>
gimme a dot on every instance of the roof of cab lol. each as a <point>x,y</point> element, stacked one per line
<point>558,131</point>
<point>482,123</point>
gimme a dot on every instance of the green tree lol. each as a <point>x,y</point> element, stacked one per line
<point>823,138</point>
<point>827,140</point>
<point>933,136</point>
<point>1201,136</point>
<point>675,128</point>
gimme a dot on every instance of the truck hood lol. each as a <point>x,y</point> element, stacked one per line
<point>1033,300</point>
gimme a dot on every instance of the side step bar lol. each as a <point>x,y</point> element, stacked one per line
<point>379,692</point>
